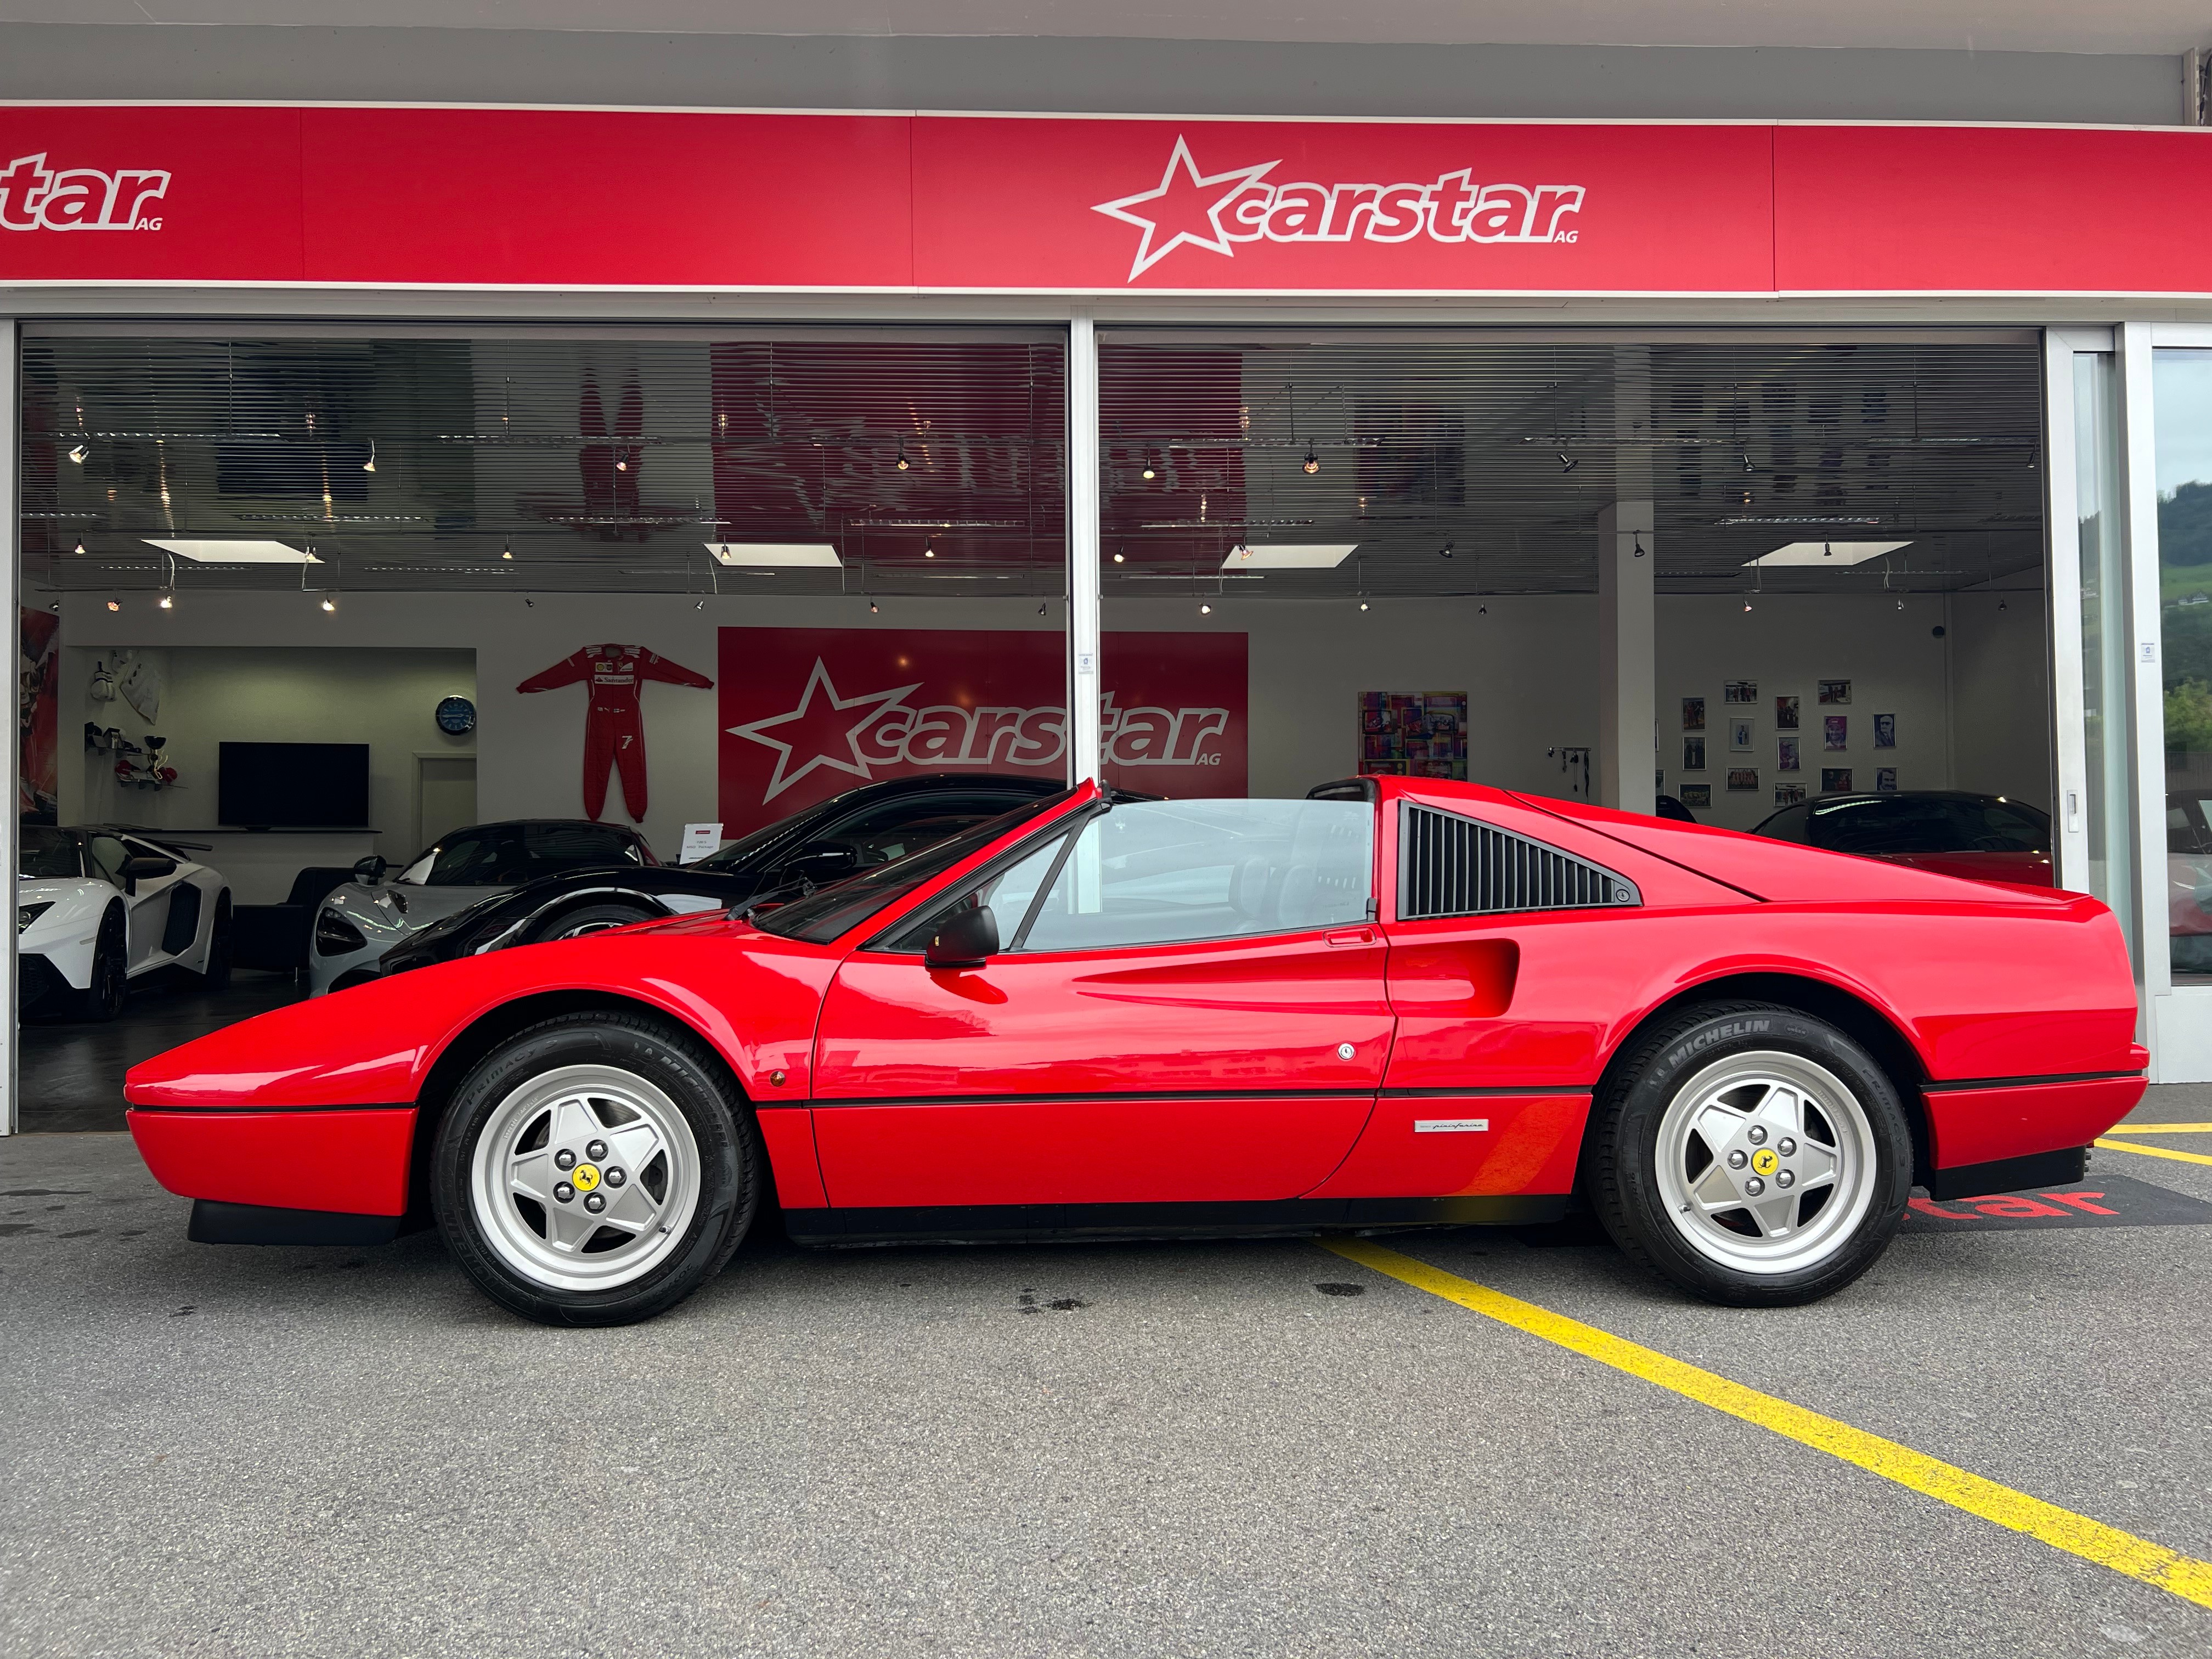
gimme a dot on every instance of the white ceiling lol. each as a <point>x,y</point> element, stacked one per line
<point>2070,26</point>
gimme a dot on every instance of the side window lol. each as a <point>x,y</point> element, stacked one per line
<point>479,858</point>
<point>107,854</point>
<point>553,847</point>
<point>1155,873</point>
<point>1448,865</point>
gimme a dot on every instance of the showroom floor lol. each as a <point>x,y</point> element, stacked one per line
<point>1173,1449</point>
<point>71,1072</point>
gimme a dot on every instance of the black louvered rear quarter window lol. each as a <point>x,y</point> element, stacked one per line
<point>1448,865</point>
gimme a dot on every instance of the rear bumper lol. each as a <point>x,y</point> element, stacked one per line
<point>1996,1120</point>
<point>352,1161</point>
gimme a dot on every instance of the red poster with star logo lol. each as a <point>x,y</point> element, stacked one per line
<point>807,712</point>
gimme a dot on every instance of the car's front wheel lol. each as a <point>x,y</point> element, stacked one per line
<point>595,1169</point>
<point>1752,1154</point>
<point>111,969</point>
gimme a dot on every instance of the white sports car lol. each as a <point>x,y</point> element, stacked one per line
<point>101,905</point>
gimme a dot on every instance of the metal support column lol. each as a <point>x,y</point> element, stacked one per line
<point>11,595</point>
<point>2137,631</point>
<point>1084,714</point>
<point>1627,658</point>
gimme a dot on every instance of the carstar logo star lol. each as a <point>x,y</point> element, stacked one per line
<point>821,730</point>
<point>1186,208</point>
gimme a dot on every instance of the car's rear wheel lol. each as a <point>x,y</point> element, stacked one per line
<point>1752,1154</point>
<point>111,969</point>
<point>595,1169</point>
<point>588,918</point>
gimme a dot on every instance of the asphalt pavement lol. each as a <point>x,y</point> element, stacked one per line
<point>1211,1449</point>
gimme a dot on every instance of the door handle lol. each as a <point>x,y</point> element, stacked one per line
<point>1356,936</point>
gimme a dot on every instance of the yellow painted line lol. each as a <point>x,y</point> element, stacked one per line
<point>2093,1541</point>
<point>2160,1129</point>
<point>2153,1151</point>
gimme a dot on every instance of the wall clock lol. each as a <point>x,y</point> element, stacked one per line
<point>456,716</point>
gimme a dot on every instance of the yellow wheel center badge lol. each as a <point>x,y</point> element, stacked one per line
<point>1765,1161</point>
<point>585,1176</point>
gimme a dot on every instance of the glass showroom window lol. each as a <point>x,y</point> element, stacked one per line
<point>2102,548</point>
<point>2182,389</point>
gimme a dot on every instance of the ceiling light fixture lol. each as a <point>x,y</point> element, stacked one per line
<point>168,601</point>
<point>80,547</point>
<point>1362,604</point>
<point>115,604</point>
<point>369,465</point>
<point>1567,463</point>
<point>329,604</point>
<point>872,607</point>
<point>1205,609</point>
<point>1482,611</point>
<point>902,463</point>
<point>219,551</point>
<point>1119,556</point>
<point>1826,553</point>
<point>79,453</point>
<point>1310,556</point>
<point>1312,462</point>
<point>1149,473</point>
<point>1747,604</point>
<point>1041,610</point>
<point>1747,467</point>
<point>1639,544</point>
<point>779,555</point>
<point>1445,551</point>
<point>507,550</point>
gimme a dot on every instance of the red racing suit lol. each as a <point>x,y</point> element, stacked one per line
<point>614,729</point>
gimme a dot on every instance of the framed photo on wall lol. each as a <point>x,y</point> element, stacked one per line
<point>1836,731</point>
<point>1742,778</point>
<point>1885,731</point>
<point>1698,797</point>
<point>1785,755</point>
<point>1740,735</point>
<point>1835,691</point>
<point>1786,714</point>
<point>1835,779</point>
<point>1693,754</point>
<point>1789,794</point>
<point>1693,714</point>
<point>1885,779</point>
<point>1740,691</point>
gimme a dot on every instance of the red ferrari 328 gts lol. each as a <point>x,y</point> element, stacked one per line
<point>1395,1003</point>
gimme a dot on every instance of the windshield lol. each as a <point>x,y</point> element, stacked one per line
<point>506,854</point>
<point>838,909</point>
<point>49,855</point>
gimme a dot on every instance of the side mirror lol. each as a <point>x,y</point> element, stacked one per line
<point>142,868</point>
<point>966,938</point>
<point>370,870</point>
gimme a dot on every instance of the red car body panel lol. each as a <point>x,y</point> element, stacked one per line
<point>1216,1071</point>
<point>353,1162</point>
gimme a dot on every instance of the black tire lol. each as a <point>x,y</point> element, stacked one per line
<point>215,976</point>
<point>730,1176</point>
<point>103,999</point>
<point>588,919</point>
<point>1625,1178</point>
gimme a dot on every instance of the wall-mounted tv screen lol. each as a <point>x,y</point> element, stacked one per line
<point>292,785</point>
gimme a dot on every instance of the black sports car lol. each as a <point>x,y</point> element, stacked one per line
<point>825,842</point>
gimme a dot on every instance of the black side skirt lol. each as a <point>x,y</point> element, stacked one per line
<point>1013,1223</point>
<point>2010,1175</point>
<point>215,1223</point>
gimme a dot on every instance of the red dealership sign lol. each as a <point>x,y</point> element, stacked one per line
<point>270,194</point>
<point>806,712</point>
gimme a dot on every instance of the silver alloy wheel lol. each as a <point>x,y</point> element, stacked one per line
<point>1766,1162</point>
<point>570,1136</point>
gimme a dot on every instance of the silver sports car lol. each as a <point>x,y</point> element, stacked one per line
<point>100,905</point>
<point>365,918</point>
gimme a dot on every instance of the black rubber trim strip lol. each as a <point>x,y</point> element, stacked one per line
<point>2024,1082</point>
<point>1522,1088</point>
<point>959,1223</point>
<point>219,1111</point>
<point>217,1223</point>
<point>1083,1097</point>
<point>2010,1175</point>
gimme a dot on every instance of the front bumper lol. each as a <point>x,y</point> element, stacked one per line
<point>344,1160</point>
